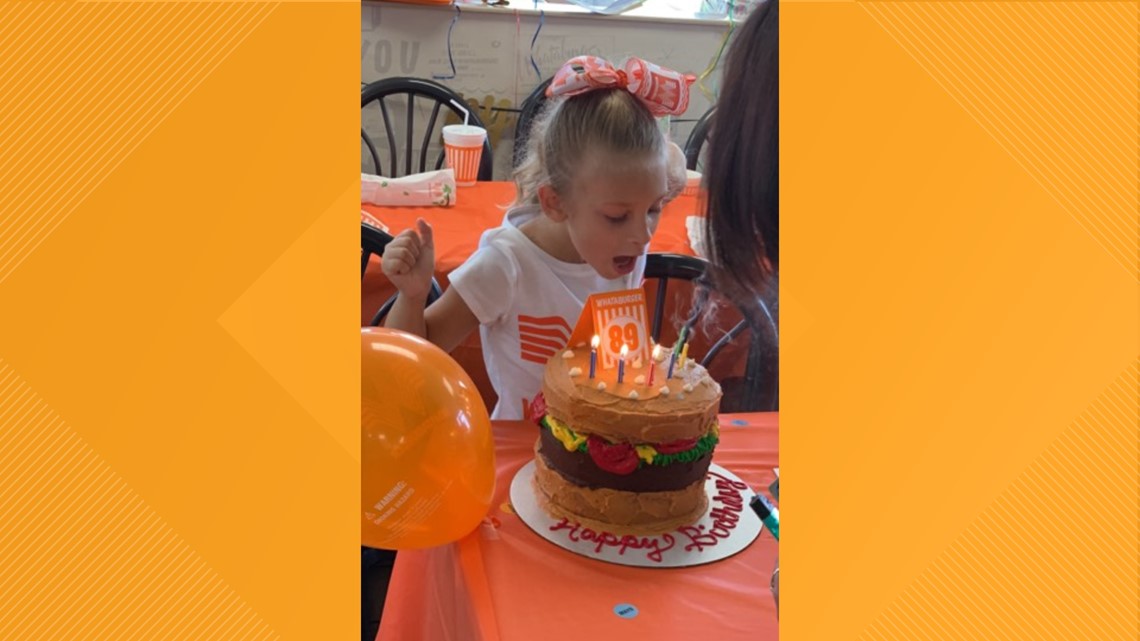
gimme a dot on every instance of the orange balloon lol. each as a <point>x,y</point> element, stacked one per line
<point>427,456</point>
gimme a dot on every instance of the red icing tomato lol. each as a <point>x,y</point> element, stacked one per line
<point>615,458</point>
<point>676,446</point>
<point>538,408</point>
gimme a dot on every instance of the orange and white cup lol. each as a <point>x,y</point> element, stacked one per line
<point>464,147</point>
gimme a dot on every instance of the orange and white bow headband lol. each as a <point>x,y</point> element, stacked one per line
<point>664,91</point>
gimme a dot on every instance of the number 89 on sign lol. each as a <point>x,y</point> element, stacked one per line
<point>623,330</point>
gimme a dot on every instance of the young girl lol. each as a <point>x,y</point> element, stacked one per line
<point>589,193</point>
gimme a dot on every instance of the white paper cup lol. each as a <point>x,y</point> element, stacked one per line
<point>464,147</point>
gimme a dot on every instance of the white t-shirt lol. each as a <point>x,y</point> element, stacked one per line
<point>527,303</point>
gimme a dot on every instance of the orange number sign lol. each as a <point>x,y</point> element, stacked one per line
<point>618,318</point>
<point>624,334</point>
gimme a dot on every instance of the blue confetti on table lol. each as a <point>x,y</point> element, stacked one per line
<point>625,610</point>
<point>739,422</point>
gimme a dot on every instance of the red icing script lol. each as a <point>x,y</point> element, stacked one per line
<point>655,546</point>
<point>728,504</point>
<point>724,516</point>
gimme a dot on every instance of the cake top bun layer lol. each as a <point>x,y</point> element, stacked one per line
<point>633,411</point>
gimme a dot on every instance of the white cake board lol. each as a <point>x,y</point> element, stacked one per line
<point>715,536</point>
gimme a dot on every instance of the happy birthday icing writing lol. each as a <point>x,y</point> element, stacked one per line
<point>656,544</point>
<point>724,517</point>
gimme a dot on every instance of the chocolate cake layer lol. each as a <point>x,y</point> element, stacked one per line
<point>578,468</point>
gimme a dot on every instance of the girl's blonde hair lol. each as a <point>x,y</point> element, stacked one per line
<point>611,120</point>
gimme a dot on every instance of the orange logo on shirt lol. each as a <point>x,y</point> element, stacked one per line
<point>542,337</point>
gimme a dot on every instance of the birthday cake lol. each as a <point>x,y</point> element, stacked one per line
<point>626,457</point>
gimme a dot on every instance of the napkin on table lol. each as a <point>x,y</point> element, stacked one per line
<point>430,189</point>
<point>695,225</point>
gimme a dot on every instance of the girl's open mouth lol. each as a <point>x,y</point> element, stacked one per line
<point>624,264</point>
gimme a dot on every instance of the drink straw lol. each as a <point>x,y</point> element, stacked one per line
<point>460,106</point>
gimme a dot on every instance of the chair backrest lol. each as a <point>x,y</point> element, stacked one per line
<point>373,155</point>
<point>372,243</point>
<point>760,388</point>
<point>762,382</point>
<point>399,100</point>
<point>697,139</point>
<point>527,113</point>
<point>662,268</point>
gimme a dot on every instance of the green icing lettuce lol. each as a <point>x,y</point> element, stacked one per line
<point>704,445</point>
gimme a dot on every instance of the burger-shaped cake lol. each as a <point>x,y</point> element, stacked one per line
<point>628,457</point>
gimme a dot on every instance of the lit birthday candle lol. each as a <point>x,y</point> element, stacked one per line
<point>621,362</point>
<point>594,354</point>
<point>653,364</point>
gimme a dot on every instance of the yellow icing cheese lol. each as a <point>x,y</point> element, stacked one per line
<point>568,437</point>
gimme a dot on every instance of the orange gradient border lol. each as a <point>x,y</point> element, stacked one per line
<point>178,364</point>
<point>959,293</point>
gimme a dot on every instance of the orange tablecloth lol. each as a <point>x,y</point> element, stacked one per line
<point>505,583</point>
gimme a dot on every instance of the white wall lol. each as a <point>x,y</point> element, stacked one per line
<point>491,48</point>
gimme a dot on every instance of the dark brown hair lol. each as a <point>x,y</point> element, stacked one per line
<point>742,172</point>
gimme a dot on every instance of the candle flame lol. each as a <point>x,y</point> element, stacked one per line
<point>656,352</point>
<point>595,341</point>
<point>624,350</point>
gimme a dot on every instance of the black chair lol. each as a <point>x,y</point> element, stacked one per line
<point>527,113</point>
<point>366,141</point>
<point>372,243</point>
<point>760,389</point>
<point>697,139</point>
<point>662,268</point>
<point>417,94</point>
